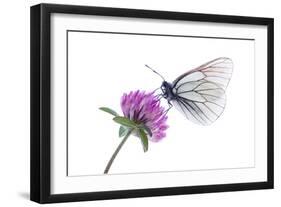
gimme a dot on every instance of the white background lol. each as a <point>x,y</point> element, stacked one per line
<point>92,136</point>
<point>14,84</point>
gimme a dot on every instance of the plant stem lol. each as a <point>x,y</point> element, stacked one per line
<point>116,151</point>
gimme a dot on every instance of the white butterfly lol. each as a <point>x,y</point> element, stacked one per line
<point>200,93</point>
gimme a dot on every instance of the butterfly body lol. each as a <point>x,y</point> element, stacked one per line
<point>199,94</point>
<point>167,91</point>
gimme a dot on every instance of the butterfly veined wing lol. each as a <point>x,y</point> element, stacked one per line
<point>200,93</point>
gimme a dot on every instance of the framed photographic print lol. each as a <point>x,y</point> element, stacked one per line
<point>132,103</point>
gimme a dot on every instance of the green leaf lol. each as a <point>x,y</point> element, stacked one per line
<point>123,131</point>
<point>147,129</point>
<point>125,121</point>
<point>144,139</point>
<point>108,110</point>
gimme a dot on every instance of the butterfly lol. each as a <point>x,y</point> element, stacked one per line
<point>199,94</point>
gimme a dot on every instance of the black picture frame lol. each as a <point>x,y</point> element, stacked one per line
<point>41,97</point>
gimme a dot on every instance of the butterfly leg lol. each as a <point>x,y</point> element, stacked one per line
<point>155,90</point>
<point>170,106</point>
<point>159,96</point>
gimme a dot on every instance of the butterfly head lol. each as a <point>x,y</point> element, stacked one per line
<point>166,87</point>
<point>167,90</point>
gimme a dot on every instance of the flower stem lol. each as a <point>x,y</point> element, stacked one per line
<point>116,151</point>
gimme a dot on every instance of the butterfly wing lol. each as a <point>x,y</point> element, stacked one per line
<point>200,93</point>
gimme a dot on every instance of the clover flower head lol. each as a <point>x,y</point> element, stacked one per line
<point>144,108</point>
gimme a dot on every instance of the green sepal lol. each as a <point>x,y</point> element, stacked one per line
<point>123,131</point>
<point>143,138</point>
<point>145,128</point>
<point>125,122</point>
<point>108,110</point>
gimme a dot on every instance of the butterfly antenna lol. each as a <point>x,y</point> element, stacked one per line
<point>155,72</point>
